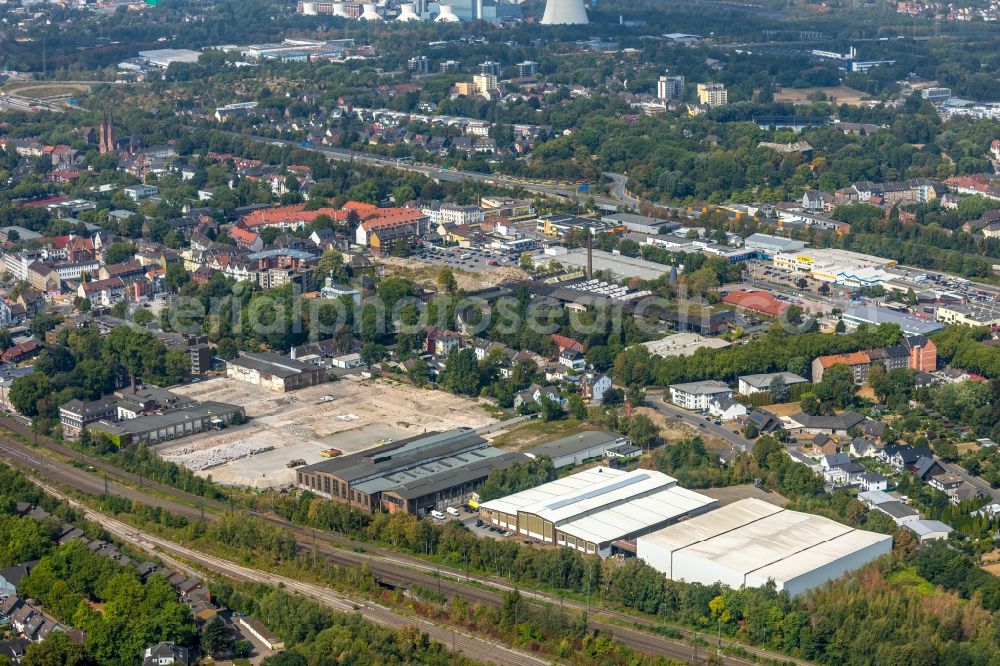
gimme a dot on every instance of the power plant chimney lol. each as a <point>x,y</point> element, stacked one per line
<point>564,12</point>
<point>590,256</point>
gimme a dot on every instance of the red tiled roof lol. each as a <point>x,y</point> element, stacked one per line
<point>566,343</point>
<point>381,218</point>
<point>98,285</point>
<point>856,358</point>
<point>243,235</point>
<point>759,301</point>
<point>45,202</point>
<point>294,214</point>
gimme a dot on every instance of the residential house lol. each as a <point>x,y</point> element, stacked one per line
<point>698,395</point>
<point>103,292</point>
<point>726,409</point>
<point>22,352</point>
<point>837,424</point>
<point>916,352</point>
<point>593,386</point>
<point>750,384</point>
<point>246,239</point>
<point>573,360</point>
<point>824,445</point>
<point>440,342</point>
<point>873,481</point>
<point>927,468</point>
<point>32,301</point>
<point>534,394</point>
<point>764,422</point>
<point>902,457</point>
<point>165,654</point>
<point>43,278</point>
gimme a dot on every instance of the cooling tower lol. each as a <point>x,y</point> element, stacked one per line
<point>309,9</point>
<point>447,15</point>
<point>339,10</point>
<point>369,13</point>
<point>564,12</point>
<point>407,13</point>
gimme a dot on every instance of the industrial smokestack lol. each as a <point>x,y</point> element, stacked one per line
<point>590,256</point>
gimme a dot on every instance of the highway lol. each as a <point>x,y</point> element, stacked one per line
<point>619,190</point>
<point>388,566</point>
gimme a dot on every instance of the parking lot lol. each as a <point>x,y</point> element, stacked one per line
<point>465,258</point>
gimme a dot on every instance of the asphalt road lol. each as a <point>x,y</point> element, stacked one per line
<point>619,189</point>
<point>976,482</point>
<point>696,421</point>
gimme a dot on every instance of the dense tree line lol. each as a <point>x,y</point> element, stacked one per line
<point>517,477</point>
<point>84,365</point>
<point>778,349</point>
<point>134,615</point>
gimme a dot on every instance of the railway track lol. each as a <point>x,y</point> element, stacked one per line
<point>389,567</point>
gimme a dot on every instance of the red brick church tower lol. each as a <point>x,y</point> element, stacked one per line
<point>109,142</point>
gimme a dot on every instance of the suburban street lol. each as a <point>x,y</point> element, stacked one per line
<point>976,482</point>
<point>655,400</point>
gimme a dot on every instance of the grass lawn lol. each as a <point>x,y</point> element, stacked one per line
<point>533,433</point>
<point>910,578</point>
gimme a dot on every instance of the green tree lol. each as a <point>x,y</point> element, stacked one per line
<point>142,316</point>
<point>117,253</point>
<point>27,391</point>
<point>778,389</point>
<point>215,637</point>
<point>461,373</point>
<point>837,388</point>
<point>641,430</point>
<point>446,281</point>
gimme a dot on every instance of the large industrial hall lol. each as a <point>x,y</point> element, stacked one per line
<point>751,542</point>
<point>597,511</point>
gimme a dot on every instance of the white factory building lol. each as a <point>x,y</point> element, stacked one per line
<point>750,542</point>
<point>837,266</point>
<point>597,510</point>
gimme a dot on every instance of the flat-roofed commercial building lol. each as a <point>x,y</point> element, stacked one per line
<point>275,372</point>
<point>576,449</point>
<point>172,424</point>
<point>751,542</point>
<point>596,511</point>
<point>769,245</point>
<point>416,475</point>
<point>907,323</point>
<point>969,314</point>
<point>683,344</point>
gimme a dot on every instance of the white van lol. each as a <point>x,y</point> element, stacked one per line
<point>452,510</point>
<point>437,514</point>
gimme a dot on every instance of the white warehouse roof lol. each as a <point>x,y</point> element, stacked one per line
<point>750,542</point>
<point>603,504</point>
